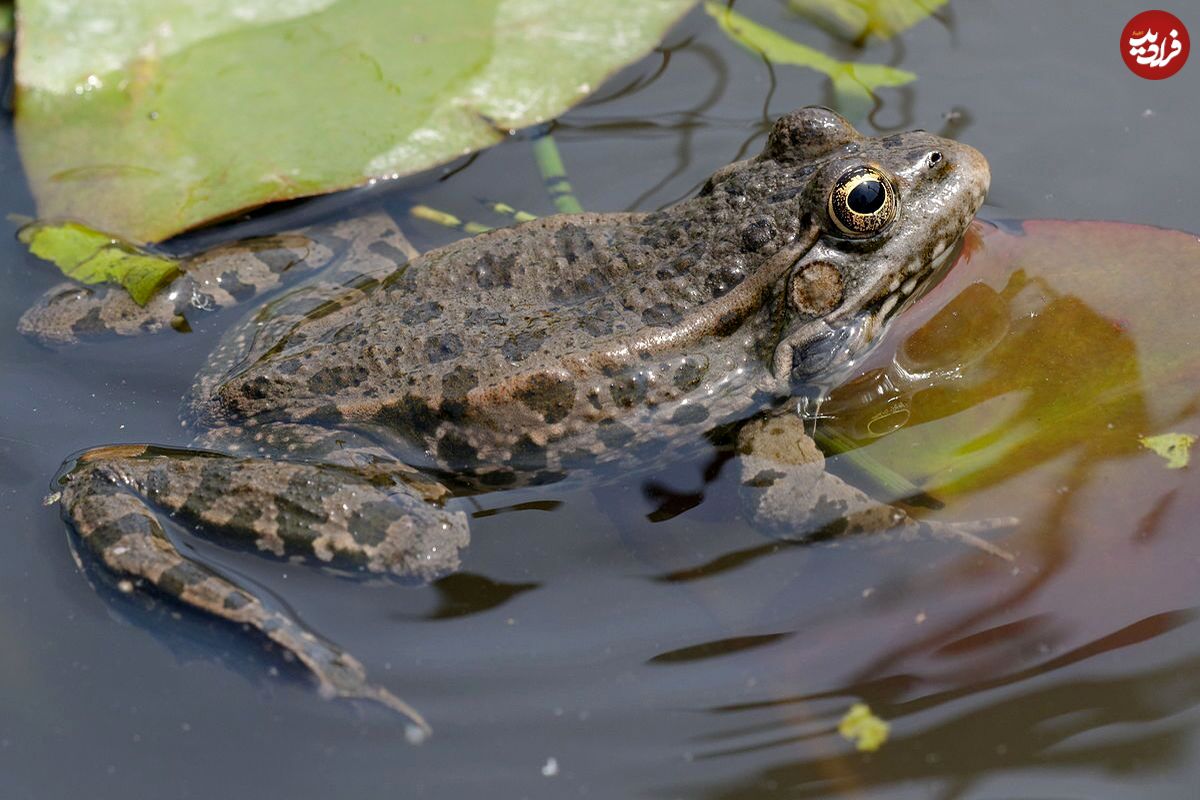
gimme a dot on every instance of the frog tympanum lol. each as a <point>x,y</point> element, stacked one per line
<point>330,424</point>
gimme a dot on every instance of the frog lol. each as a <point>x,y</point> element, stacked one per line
<point>345,422</point>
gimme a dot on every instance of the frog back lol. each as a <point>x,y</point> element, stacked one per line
<point>533,332</point>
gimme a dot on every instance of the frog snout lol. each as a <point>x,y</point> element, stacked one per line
<point>974,171</point>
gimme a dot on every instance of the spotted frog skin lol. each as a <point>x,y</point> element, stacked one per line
<point>339,422</point>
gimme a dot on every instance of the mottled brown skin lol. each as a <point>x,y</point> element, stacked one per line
<point>521,355</point>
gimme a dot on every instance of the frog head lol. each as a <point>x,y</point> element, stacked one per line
<point>883,214</point>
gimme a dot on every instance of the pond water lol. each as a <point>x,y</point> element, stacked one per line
<point>593,647</point>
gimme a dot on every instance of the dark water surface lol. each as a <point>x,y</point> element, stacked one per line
<point>683,658</point>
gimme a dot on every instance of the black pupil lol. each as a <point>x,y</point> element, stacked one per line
<point>867,197</point>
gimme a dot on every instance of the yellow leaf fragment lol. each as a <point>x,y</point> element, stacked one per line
<point>1174,447</point>
<point>435,216</point>
<point>867,731</point>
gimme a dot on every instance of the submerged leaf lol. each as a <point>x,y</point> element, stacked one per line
<point>1046,351</point>
<point>1175,448</point>
<point>89,256</point>
<point>857,20</point>
<point>867,731</point>
<point>853,84</point>
<point>180,113</point>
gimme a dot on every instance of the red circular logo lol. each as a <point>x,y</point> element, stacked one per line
<point>1155,45</point>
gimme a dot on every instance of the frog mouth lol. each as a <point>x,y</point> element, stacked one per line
<point>903,293</point>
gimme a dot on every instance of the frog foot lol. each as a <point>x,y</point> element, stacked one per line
<point>114,497</point>
<point>789,494</point>
<point>862,516</point>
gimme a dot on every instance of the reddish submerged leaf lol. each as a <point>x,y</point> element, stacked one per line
<point>1062,338</point>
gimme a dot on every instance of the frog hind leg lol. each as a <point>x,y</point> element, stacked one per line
<point>113,497</point>
<point>789,493</point>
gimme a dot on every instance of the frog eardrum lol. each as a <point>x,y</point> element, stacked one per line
<point>863,202</point>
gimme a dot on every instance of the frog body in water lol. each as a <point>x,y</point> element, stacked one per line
<point>331,422</point>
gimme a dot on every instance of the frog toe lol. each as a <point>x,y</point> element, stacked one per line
<point>971,533</point>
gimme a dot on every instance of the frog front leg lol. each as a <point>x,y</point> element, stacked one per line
<point>789,493</point>
<point>220,278</point>
<point>119,500</point>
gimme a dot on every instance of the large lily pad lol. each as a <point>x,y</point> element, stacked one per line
<point>147,117</point>
<point>1040,356</point>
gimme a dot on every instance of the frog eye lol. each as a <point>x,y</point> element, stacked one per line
<point>863,202</point>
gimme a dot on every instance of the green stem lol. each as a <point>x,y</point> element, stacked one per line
<point>550,164</point>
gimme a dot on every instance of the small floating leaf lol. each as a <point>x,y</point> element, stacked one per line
<point>1174,447</point>
<point>853,84</point>
<point>89,256</point>
<point>857,20</point>
<point>867,731</point>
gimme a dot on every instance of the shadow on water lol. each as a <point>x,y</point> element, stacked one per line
<point>465,593</point>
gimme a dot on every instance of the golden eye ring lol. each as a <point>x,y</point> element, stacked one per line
<point>863,202</point>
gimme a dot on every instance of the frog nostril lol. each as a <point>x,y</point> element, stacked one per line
<point>934,158</point>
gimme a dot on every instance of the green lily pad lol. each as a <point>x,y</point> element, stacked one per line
<point>179,113</point>
<point>89,256</point>
<point>854,84</point>
<point>858,20</point>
